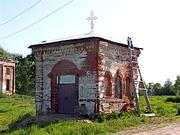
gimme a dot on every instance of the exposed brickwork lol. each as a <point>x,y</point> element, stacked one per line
<point>95,62</point>
<point>115,59</point>
<point>7,77</point>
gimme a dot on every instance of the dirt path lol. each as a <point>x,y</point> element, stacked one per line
<point>170,129</point>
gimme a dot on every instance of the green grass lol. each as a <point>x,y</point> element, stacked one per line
<point>80,128</point>
<point>12,107</point>
<point>160,106</point>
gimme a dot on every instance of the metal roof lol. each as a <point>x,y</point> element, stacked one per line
<point>79,38</point>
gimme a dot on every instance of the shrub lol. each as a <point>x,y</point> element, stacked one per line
<point>2,95</point>
<point>173,99</point>
<point>99,118</point>
<point>114,115</point>
<point>170,99</point>
<point>160,111</point>
<point>178,109</point>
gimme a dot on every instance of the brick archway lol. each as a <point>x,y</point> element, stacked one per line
<point>63,68</point>
<point>108,84</point>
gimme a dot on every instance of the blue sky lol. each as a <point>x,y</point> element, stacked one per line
<point>153,25</point>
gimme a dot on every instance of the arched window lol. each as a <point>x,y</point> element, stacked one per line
<point>108,84</point>
<point>118,87</point>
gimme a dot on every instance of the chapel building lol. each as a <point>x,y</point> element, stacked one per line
<point>83,74</point>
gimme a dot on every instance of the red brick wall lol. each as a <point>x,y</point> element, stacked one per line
<point>114,61</point>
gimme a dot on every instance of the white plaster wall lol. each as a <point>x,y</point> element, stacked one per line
<point>87,82</point>
<point>87,91</point>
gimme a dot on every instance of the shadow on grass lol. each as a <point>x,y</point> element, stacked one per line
<point>4,111</point>
<point>22,122</point>
<point>27,120</point>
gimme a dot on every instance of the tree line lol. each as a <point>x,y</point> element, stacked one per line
<point>167,89</point>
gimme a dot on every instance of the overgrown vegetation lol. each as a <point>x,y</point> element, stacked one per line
<point>160,106</point>
<point>15,108</point>
<point>114,115</point>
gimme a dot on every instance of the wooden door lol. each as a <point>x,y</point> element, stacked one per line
<point>66,94</point>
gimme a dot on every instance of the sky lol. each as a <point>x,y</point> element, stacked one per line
<point>152,24</point>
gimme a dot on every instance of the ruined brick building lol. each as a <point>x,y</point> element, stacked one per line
<point>7,76</point>
<point>87,73</point>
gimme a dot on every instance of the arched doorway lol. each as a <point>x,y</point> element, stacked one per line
<point>64,87</point>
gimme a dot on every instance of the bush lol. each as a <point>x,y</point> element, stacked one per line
<point>160,110</point>
<point>178,109</point>
<point>114,115</point>
<point>99,118</point>
<point>2,95</point>
<point>173,99</point>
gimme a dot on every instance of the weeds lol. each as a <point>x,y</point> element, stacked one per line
<point>113,116</point>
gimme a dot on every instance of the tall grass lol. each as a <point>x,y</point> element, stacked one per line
<point>81,128</point>
<point>159,106</point>
<point>12,107</point>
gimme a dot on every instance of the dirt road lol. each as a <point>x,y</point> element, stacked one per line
<point>171,129</point>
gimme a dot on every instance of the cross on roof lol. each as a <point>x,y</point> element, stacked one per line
<point>92,18</point>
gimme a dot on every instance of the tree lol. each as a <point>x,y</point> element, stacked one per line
<point>157,89</point>
<point>150,89</point>
<point>25,74</point>
<point>176,87</point>
<point>4,55</point>
<point>168,88</point>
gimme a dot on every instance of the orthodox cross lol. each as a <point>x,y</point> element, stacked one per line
<point>92,18</point>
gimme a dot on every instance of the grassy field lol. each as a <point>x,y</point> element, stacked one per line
<point>160,106</point>
<point>13,107</point>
